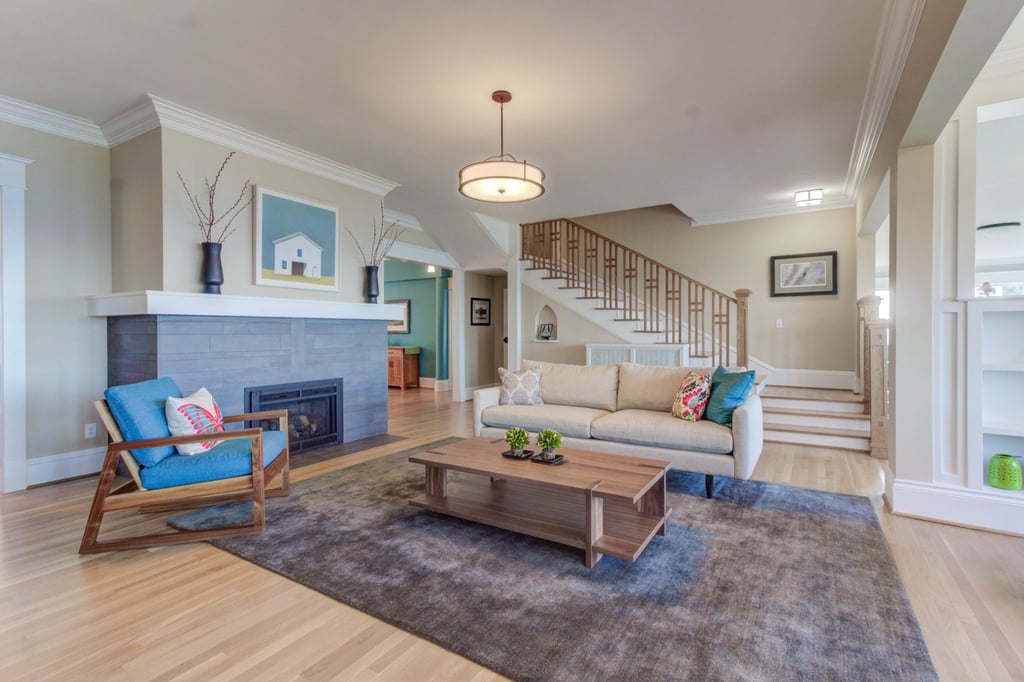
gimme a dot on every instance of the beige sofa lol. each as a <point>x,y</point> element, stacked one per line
<point>626,409</point>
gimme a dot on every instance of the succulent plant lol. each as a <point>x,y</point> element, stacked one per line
<point>549,439</point>
<point>517,438</point>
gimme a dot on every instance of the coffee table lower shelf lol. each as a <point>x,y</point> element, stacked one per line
<point>546,512</point>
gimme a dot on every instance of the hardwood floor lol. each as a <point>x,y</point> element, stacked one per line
<point>195,613</point>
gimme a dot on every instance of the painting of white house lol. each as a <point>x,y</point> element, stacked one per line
<point>296,242</point>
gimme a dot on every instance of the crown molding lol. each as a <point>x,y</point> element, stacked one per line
<point>402,219</point>
<point>771,211</point>
<point>129,124</point>
<point>895,37</point>
<point>50,121</point>
<point>191,122</point>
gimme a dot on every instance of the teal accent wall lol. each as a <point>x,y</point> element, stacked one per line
<point>428,312</point>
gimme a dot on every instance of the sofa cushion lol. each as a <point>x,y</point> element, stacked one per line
<point>228,459</point>
<point>568,421</point>
<point>728,391</point>
<point>592,386</point>
<point>196,413</point>
<point>642,387</point>
<point>520,388</point>
<point>692,397</point>
<point>661,429</point>
<point>138,410</point>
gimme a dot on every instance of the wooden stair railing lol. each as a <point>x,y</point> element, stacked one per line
<point>661,300</point>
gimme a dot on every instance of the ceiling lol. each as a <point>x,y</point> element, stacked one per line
<point>720,107</point>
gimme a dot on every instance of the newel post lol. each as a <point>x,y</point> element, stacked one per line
<point>742,298</point>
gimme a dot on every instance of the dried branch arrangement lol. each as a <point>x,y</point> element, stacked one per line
<point>384,237</point>
<point>208,219</point>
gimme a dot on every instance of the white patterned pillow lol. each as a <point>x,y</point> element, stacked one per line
<point>520,388</point>
<point>191,415</point>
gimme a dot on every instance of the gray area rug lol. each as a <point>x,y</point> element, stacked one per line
<point>763,582</point>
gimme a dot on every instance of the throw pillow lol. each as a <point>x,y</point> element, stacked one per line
<point>692,397</point>
<point>196,413</point>
<point>728,391</point>
<point>520,388</point>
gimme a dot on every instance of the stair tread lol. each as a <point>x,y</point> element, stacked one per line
<point>817,430</point>
<point>815,413</point>
<point>821,446</point>
<point>808,393</point>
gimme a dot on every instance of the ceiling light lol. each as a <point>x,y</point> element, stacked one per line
<point>809,197</point>
<point>501,178</point>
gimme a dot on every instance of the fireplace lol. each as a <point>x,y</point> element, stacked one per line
<point>314,411</point>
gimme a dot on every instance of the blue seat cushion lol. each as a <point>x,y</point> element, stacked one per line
<point>138,410</point>
<point>728,391</point>
<point>227,459</point>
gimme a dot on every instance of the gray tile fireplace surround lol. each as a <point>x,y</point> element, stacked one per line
<point>226,354</point>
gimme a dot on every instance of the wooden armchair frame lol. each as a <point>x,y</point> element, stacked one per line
<point>272,481</point>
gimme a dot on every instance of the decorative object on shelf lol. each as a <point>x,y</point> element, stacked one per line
<point>480,312</point>
<point>545,331</point>
<point>549,440</point>
<point>501,178</point>
<point>296,242</point>
<point>398,326</point>
<point>986,289</point>
<point>1004,471</point>
<point>804,274</point>
<point>212,271</point>
<point>381,242</point>
<point>517,438</point>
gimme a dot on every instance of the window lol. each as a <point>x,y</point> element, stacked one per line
<point>284,265</point>
<point>299,254</point>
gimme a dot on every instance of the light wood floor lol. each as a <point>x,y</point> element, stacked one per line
<point>196,613</point>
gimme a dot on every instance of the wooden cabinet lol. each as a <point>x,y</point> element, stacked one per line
<point>404,366</point>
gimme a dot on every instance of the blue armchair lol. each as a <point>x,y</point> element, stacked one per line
<point>246,464</point>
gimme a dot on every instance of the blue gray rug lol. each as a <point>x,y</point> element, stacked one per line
<point>763,582</point>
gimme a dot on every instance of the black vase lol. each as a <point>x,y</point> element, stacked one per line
<point>371,290</point>
<point>212,273</point>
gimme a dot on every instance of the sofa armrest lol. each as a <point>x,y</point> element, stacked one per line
<point>482,399</point>
<point>747,435</point>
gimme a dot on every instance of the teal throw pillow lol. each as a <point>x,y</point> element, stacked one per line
<point>728,391</point>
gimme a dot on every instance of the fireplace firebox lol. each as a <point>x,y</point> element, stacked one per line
<point>314,411</point>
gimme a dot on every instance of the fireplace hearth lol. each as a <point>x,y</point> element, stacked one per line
<point>314,411</point>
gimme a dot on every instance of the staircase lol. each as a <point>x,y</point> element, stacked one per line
<point>815,416</point>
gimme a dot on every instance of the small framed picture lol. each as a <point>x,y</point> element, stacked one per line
<point>480,311</point>
<point>399,326</point>
<point>804,274</point>
<point>545,331</point>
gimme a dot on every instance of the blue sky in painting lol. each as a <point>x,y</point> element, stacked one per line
<point>282,217</point>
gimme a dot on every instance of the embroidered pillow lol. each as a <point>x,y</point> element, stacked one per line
<point>520,388</point>
<point>692,397</point>
<point>196,413</point>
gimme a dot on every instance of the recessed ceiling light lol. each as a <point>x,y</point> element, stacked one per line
<point>809,197</point>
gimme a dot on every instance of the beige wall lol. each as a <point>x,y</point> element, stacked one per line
<point>67,257</point>
<point>481,359</point>
<point>573,331</point>
<point>197,159</point>
<point>498,291</point>
<point>136,213</point>
<point>818,331</point>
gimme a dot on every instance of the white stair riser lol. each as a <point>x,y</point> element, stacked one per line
<point>769,401</point>
<point>811,421</point>
<point>797,438</point>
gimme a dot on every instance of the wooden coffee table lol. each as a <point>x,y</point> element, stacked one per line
<point>600,503</point>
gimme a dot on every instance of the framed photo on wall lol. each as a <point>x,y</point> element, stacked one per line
<point>480,311</point>
<point>296,242</point>
<point>804,274</point>
<point>399,326</point>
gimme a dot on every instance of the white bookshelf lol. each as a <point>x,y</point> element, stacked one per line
<point>1000,326</point>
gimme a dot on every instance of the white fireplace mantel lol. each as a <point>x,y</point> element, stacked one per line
<point>211,305</point>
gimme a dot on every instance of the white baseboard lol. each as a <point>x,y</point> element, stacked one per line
<point>64,465</point>
<point>438,385</point>
<point>989,510</point>
<point>813,378</point>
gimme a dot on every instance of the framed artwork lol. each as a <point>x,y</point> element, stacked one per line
<point>804,274</point>
<point>295,242</point>
<point>545,331</point>
<point>399,326</point>
<point>480,311</point>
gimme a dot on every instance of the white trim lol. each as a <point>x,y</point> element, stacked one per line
<point>180,303</point>
<point>402,219</point>
<point>422,254</point>
<point>771,211</point>
<point>65,465</point>
<point>892,46</point>
<point>813,378</point>
<point>196,124</point>
<point>50,121</point>
<point>457,336</point>
<point>131,123</point>
<point>438,386</point>
<point>990,509</point>
<point>1008,61</point>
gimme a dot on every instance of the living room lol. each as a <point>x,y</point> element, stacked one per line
<point>104,214</point>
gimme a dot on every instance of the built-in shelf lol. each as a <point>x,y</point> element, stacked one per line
<point>1004,367</point>
<point>545,340</point>
<point>1002,491</point>
<point>997,429</point>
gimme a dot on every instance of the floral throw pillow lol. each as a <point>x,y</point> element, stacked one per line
<point>191,415</point>
<point>692,397</point>
<point>520,388</point>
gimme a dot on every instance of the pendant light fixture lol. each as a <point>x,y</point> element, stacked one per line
<point>501,179</point>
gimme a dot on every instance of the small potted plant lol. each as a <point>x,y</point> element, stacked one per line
<point>549,440</point>
<point>517,439</point>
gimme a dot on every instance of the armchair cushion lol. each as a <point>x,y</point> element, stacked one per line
<point>228,459</point>
<point>138,410</point>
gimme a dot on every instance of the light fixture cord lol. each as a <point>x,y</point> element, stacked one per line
<point>502,146</point>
